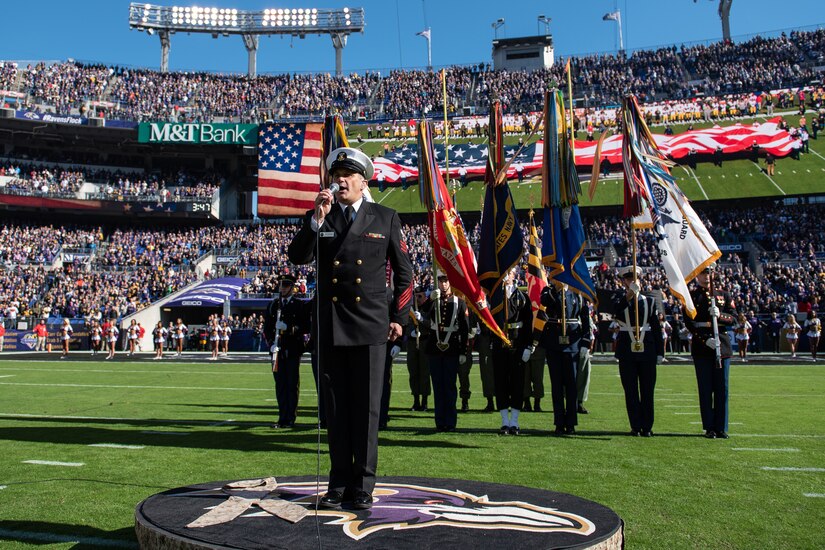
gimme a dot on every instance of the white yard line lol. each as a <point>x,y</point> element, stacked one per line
<point>223,422</point>
<point>8,376</point>
<point>116,446</point>
<point>121,419</point>
<point>114,386</point>
<point>116,371</point>
<point>814,495</point>
<point>791,469</point>
<point>767,450</point>
<point>796,436</point>
<point>387,194</point>
<point>817,154</point>
<point>731,423</point>
<point>54,463</point>
<point>158,432</point>
<point>41,536</point>
<point>769,178</point>
<point>681,406</point>
<point>702,189</point>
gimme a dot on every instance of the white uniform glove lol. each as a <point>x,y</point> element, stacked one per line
<point>280,325</point>
<point>635,288</point>
<point>711,343</point>
<point>273,349</point>
<point>435,294</point>
<point>462,359</point>
<point>525,355</point>
<point>660,359</point>
<point>714,311</point>
<point>395,350</point>
<point>417,315</point>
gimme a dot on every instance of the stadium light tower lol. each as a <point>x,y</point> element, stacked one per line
<point>497,24</point>
<point>543,19</point>
<point>250,25</point>
<point>724,15</point>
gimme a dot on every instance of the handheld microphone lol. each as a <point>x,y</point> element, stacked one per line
<point>334,187</point>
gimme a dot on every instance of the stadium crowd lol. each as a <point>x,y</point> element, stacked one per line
<point>718,69</point>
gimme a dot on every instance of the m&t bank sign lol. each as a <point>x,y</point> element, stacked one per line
<point>215,134</point>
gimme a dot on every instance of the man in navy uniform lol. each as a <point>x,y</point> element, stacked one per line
<point>568,324</point>
<point>711,373</point>
<point>287,321</point>
<point>355,240</point>
<point>639,348</point>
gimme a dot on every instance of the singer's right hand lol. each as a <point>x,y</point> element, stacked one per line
<point>323,203</point>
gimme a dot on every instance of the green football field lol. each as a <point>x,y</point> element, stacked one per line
<point>734,179</point>
<point>170,424</point>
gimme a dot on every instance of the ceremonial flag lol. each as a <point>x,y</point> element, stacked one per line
<point>536,281</point>
<point>501,236</point>
<point>685,245</point>
<point>425,33</point>
<point>563,240</point>
<point>289,168</point>
<point>334,136</point>
<point>611,16</point>
<point>451,251</point>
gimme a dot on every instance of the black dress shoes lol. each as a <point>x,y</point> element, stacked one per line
<point>722,435</point>
<point>710,434</point>
<point>647,433</point>
<point>559,430</point>
<point>635,433</point>
<point>570,430</point>
<point>332,499</point>
<point>581,410</point>
<point>362,500</point>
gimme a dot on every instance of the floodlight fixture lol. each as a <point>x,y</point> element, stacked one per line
<point>166,20</point>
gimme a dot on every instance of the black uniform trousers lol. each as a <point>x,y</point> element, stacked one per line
<point>386,386</point>
<point>713,392</point>
<point>444,371</point>
<point>419,368</point>
<point>563,388</point>
<point>351,382</point>
<point>508,373</point>
<point>287,385</point>
<point>638,380</point>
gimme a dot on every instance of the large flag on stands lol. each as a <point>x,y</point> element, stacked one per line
<point>289,168</point>
<point>563,239</point>
<point>685,246</point>
<point>472,157</point>
<point>501,236</point>
<point>451,251</point>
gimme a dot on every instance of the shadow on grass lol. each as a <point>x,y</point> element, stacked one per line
<point>295,440</point>
<point>85,537</point>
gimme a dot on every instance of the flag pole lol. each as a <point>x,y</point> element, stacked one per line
<point>570,102</point>
<point>635,278</point>
<point>446,134</point>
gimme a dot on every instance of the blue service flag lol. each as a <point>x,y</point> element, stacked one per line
<point>562,250</point>
<point>500,227</point>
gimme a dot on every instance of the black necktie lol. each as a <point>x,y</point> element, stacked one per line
<point>349,212</point>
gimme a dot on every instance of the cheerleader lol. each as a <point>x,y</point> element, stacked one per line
<point>813,329</point>
<point>742,330</point>
<point>65,337</point>
<point>112,334</point>
<point>225,334</point>
<point>793,329</point>
<point>96,336</point>
<point>132,334</point>
<point>214,338</point>
<point>179,334</point>
<point>159,337</point>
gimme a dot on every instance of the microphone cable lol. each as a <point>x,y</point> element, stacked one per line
<point>333,188</point>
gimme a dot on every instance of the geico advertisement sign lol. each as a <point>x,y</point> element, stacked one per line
<point>218,133</point>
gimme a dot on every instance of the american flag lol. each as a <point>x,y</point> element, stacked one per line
<point>469,156</point>
<point>289,168</point>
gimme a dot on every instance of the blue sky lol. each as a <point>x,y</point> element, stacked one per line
<point>98,30</point>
